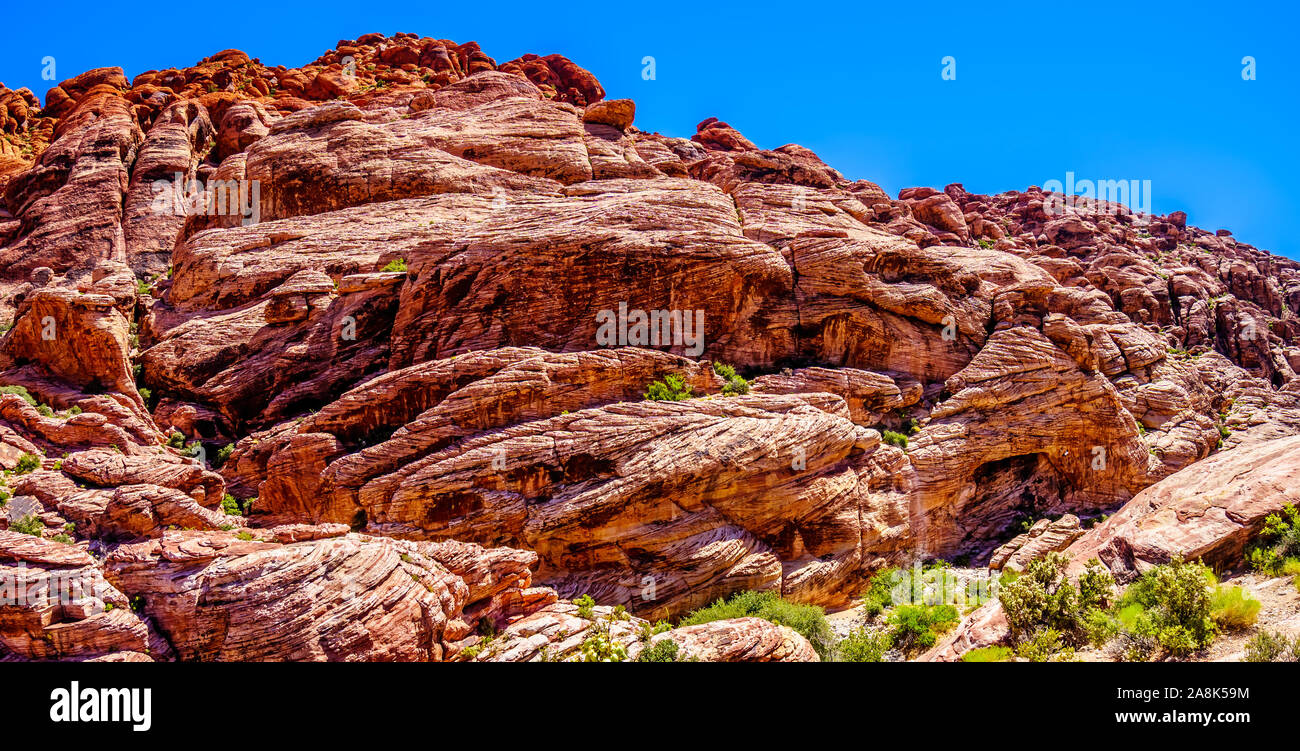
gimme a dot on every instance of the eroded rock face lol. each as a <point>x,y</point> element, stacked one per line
<point>1209,511</point>
<point>427,325</point>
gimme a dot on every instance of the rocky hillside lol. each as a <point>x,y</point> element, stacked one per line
<point>351,362</point>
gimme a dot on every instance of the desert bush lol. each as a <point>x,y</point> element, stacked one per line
<point>864,645</point>
<point>1042,597</point>
<point>1277,543</point>
<point>20,391</point>
<point>27,463</point>
<point>671,389</point>
<point>27,525</point>
<point>735,383</point>
<point>808,620</point>
<point>586,607</point>
<point>664,650</point>
<point>894,438</point>
<point>1233,607</point>
<point>230,505</point>
<point>1272,646</point>
<point>988,654</point>
<point>879,596</point>
<point>1168,608</point>
<point>1045,645</point>
<point>916,628</point>
<point>397,264</point>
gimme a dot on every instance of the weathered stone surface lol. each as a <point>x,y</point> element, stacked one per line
<point>737,640</point>
<point>1043,537</point>
<point>216,597</point>
<point>1207,511</point>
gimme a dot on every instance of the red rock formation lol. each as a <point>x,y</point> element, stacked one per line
<point>387,279</point>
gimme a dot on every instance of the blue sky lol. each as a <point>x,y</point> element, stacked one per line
<point>1132,90</point>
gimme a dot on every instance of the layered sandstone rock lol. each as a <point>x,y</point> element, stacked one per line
<point>1209,511</point>
<point>416,317</point>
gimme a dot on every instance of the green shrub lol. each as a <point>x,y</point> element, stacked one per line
<point>864,645</point>
<point>735,384</point>
<point>880,596</point>
<point>397,264</point>
<point>5,495</point>
<point>1042,597</point>
<point>648,630</point>
<point>1169,608</point>
<point>20,391</point>
<point>808,620</point>
<point>230,505</point>
<point>1277,543</point>
<point>1045,645</point>
<point>664,650</point>
<point>1272,646</point>
<point>671,389</point>
<point>223,454</point>
<point>894,438</point>
<point>74,410</point>
<point>28,525</point>
<point>918,627</point>
<point>586,607</point>
<point>988,654</point>
<point>176,439</point>
<point>1233,607</point>
<point>45,410</point>
<point>27,463</point>
<point>599,647</point>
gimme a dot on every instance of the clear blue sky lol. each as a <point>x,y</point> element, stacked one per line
<point>1108,90</point>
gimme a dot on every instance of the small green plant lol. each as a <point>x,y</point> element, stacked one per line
<point>671,389</point>
<point>988,654</point>
<point>223,455</point>
<point>735,384</point>
<point>880,596</point>
<point>808,620</point>
<point>1044,608</point>
<point>1272,646</point>
<point>230,505</point>
<point>1045,645</point>
<point>28,525</point>
<point>74,410</point>
<point>918,627</point>
<point>648,630</point>
<point>1278,543</point>
<point>1168,609</point>
<point>600,647</point>
<point>864,645</point>
<point>27,463</point>
<point>985,244</point>
<point>1233,607</point>
<point>664,650</point>
<point>397,264</point>
<point>45,410</point>
<point>245,536</point>
<point>586,607</point>
<point>176,439</point>
<point>20,391</point>
<point>894,438</point>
